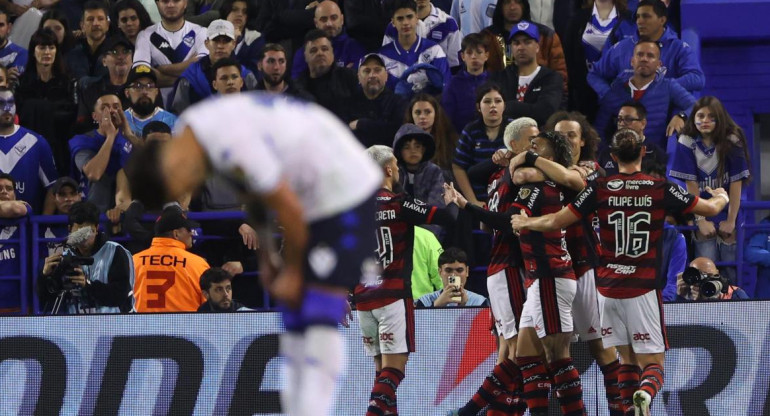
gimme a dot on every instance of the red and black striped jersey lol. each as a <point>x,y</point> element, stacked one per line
<point>631,209</point>
<point>397,214</point>
<point>582,241</point>
<point>545,254</point>
<point>505,251</point>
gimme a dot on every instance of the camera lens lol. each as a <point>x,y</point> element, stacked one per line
<point>711,288</point>
<point>691,275</point>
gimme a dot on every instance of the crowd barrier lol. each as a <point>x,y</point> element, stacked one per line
<point>228,364</point>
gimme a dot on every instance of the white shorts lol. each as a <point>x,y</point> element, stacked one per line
<point>506,298</point>
<point>548,308</point>
<point>585,308</point>
<point>635,321</point>
<point>389,329</point>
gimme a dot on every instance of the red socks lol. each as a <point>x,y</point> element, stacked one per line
<point>569,390</point>
<point>383,398</point>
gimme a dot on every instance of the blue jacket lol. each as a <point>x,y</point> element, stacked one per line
<point>757,252</point>
<point>678,61</point>
<point>674,259</point>
<point>663,99</point>
<point>459,97</point>
<point>195,84</point>
<point>347,51</point>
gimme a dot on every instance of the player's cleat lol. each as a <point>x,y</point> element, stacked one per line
<point>453,412</point>
<point>642,401</point>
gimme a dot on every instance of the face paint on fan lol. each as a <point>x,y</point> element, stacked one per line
<point>7,103</point>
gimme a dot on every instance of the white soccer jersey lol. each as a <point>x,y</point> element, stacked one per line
<point>157,46</point>
<point>438,27</point>
<point>260,138</point>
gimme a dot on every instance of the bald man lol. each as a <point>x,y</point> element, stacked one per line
<point>709,270</point>
<point>347,51</point>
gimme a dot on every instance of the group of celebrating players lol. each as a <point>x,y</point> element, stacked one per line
<point>544,202</point>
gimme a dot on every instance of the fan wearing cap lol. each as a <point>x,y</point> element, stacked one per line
<point>532,90</point>
<point>142,92</point>
<point>167,275</point>
<point>65,192</point>
<point>195,83</point>
<point>375,111</point>
<point>117,58</point>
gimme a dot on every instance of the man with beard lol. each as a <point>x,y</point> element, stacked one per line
<point>195,83</point>
<point>142,92</point>
<point>171,45</point>
<point>12,56</point>
<point>100,153</point>
<point>331,86</point>
<point>26,156</point>
<point>272,70</point>
<point>664,98</point>
<point>117,58</point>
<point>376,112</point>
<point>347,51</point>
<point>83,60</point>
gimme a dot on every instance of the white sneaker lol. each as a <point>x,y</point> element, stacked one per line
<point>642,401</point>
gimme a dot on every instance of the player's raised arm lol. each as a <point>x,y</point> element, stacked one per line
<point>562,219</point>
<point>712,206</point>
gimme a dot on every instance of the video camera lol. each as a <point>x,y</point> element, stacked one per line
<point>70,260</point>
<point>711,285</point>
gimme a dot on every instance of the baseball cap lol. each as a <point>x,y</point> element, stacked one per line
<point>528,28</point>
<point>62,182</point>
<point>115,40</point>
<point>220,27</point>
<point>371,56</point>
<point>171,219</point>
<point>141,71</point>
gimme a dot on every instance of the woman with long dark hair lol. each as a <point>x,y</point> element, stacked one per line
<point>57,21</point>
<point>46,95</point>
<point>129,17</point>
<point>426,112</point>
<point>712,151</point>
<point>479,140</point>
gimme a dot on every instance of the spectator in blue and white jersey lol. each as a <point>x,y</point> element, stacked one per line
<point>473,15</point>
<point>347,51</point>
<point>98,155</point>
<point>12,56</point>
<point>10,258</point>
<point>195,83</point>
<point>409,49</point>
<point>142,92</point>
<point>678,60</point>
<point>436,25</point>
<point>25,155</point>
<point>171,45</point>
<point>84,60</point>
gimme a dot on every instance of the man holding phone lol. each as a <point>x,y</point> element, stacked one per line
<point>453,269</point>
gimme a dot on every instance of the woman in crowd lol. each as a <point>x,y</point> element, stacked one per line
<point>588,34</point>
<point>249,42</point>
<point>426,112</point>
<point>712,151</point>
<point>46,96</point>
<point>130,17</point>
<point>479,140</point>
<point>57,22</point>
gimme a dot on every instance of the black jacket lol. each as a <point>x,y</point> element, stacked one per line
<point>210,307</point>
<point>366,20</point>
<point>378,119</point>
<point>333,90</point>
<point>542,98</point>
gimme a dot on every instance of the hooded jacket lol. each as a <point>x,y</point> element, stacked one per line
<point>428,177</point>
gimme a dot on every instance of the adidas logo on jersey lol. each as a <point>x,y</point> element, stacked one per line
<point>591,330</point>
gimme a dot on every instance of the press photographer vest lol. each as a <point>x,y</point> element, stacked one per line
<point>99,271</point>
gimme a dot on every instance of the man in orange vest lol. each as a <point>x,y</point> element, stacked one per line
<point>167,275</point>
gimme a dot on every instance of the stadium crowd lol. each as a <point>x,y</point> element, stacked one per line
<point>459,90</point>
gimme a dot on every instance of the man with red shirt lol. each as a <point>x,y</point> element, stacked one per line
<point>631,207</point>
<point>385,307</point>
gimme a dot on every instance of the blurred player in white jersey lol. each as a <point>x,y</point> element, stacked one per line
<point>319,182</point>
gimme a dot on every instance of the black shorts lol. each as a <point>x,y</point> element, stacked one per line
<point>341,248</point>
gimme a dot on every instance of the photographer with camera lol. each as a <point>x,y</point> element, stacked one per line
<point>453,269</point>
<point>702,281</point>
<point>91,275</point>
